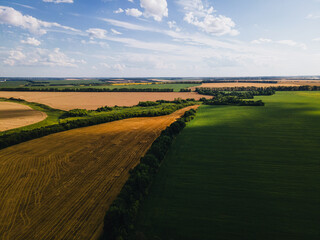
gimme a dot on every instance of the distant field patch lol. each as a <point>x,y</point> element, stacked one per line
<point>94,100</point>
<point>175,87</point>
<point>14,115</point>
<point>248,84</point>
<point>241,173</point>
<point>60,186</point>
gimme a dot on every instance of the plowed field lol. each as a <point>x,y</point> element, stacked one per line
<point>60,186</point>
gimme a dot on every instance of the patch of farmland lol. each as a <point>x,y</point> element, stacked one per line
<point>60,186</point>
<point>247,84</point>
<point>14,115</point>
<point>94,100</point>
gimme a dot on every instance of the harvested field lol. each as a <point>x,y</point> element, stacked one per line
<point>93,100</point>
<point>248,84</point>
<point>302,82</point>
<point>60,186</point>
<point>14,115</point>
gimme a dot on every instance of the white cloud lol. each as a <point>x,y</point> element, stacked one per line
<point>198,39</point>
<point>116,67</point>
<point>41,57</point>
<point>97,33</point>
<point>126,25</point>
<point>131,1</point>
<point>155,8</point>
<point>202,17</point>
<point>261,40</point>
<point>316,39</point>
<point>120,10</point>
<point>15,18</point>
<point>31,41</point>
<point>290,43</point>
<point>173,25</point>
<point>133,12</point>
<point>101,43</point>
<point>23,5</point>
<point>119,67</point>
<point>115,32</point>
<point>58,1</point>
<point>14,56</point>
<point>313,16</point>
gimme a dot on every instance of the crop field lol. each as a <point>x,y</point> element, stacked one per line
<point>60,186</point>
<point>14,115</point>
<point>94,100</point>
<point>241,173</point>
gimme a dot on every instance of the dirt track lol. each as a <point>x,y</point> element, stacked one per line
<point>14,115</point>
<point>60,186</point>
<point>93,100</point>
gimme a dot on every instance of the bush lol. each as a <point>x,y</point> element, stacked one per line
<point>148,104</point>
<point>75,113</point>
<point>104,109</point>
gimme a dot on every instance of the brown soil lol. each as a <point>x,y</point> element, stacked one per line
<point>93,100</point>
<point>14,115</point>
<point>60,186</point>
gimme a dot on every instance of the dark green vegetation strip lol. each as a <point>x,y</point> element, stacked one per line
<point>236,98</point>
<point>119,220</point>
<point>82,118</point>
<point>90,89</point>
<point>241,173</point>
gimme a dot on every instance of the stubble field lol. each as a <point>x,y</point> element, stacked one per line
<point>14,115</point>
<point>60,186</point>
<point>94,100</point>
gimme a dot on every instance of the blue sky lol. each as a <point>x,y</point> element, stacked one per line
<point>159,38</point>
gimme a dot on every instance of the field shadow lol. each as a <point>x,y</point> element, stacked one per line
<point>11,113</point>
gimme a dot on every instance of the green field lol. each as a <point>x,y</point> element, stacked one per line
<point>241,173</point>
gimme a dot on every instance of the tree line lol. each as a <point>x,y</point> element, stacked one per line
<point>22,89</point>
<point>277,88</point>
<point>119,219</point>
<point>240,81</point>
<point>249,94</point>
<point>231,100</point>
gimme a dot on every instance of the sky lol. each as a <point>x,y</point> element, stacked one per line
<point>159,38</point>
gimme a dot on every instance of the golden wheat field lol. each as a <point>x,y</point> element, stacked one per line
<point>60,186</point>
